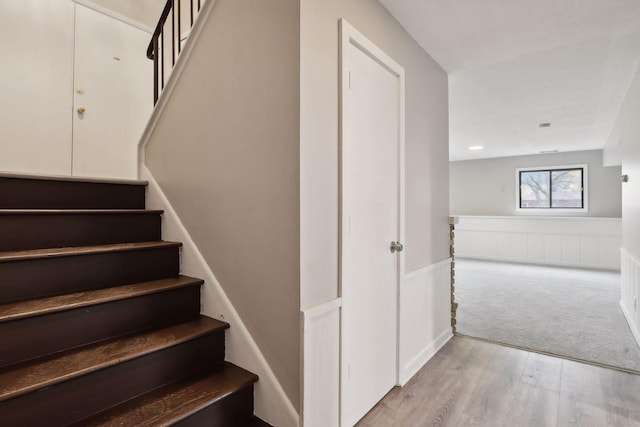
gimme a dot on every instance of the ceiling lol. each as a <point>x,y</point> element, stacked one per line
<point>514,64</point>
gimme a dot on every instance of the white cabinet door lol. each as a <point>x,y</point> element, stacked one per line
<point>35,86</point>
<point>113,84</point>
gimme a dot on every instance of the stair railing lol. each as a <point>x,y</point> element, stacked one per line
<point>170,27</point>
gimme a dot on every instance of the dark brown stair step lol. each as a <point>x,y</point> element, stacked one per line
<point>226,396</point>
<point>73,386</point>
<point>41,306</point>
<point>63,367</point>
<point>45,272</point>
<point>257,422</point>
<point>35,328</point>
<point>37,229</point>
<point>46,192</point>
<point>80,250</point>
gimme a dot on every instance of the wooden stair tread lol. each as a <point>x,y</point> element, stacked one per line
<point>176,401</point>
<point>82,250</point>
<point>121,181</point>
<point>80,211</point>
<point>39,306</point>
<point>22,379</point>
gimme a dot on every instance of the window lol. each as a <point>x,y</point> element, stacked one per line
<point>553,188</point>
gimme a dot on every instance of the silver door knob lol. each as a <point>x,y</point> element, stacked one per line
<point>396,246</point>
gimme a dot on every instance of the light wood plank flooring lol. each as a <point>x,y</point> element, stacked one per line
<point>475,383</point>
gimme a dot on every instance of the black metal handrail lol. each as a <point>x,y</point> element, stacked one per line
<point>156,48</point>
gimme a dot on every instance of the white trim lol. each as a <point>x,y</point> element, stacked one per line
<point>536,211</point>
<point>630,292</point>
<point>427,269</point>
<point>420,359</point>
<point>628,318</point>
<point>546,217</point>
<point>584,242</point>
<point>320,379</point>
<point>425,316</point>
<point>178,69</point>
<point>320,310</point>
<point>110,13</point>
<point>351,36</point>
<point>271,402</point>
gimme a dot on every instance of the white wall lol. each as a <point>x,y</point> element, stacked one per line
<point>576,242</point>
<point>426,177</point>
<point>488,186</point>
<point>625,139</point>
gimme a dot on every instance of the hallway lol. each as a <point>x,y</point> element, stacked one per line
<point>474,383</point>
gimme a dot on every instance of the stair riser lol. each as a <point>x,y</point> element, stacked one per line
<point>234,410</point>
<point>17,193</point>
<point>40,231</point>
<point>55,276</point>
<point>43,335</point>
<point>76,399</point>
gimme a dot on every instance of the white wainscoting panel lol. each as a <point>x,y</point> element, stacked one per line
<point>321,361</point>
<point>566,241</point>
<point>425,316</point>
<point>630,272</point>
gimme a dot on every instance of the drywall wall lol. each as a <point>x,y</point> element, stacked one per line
<point>426,146</point>
<point>225,153</point>
<point>488,186</point>
<point>626,135</point>
<point>624,145</point>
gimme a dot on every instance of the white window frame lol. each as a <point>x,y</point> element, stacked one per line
<point>585,189</point>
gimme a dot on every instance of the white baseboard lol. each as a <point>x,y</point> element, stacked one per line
<point>271,402</point>
<point>632,326</point>
<point>420,359</point>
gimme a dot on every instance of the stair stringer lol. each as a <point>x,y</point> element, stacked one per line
<point>271,402</point>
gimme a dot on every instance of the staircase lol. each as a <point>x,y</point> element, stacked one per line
<point>97,326</point>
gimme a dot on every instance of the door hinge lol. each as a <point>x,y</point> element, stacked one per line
<point>349,79</point>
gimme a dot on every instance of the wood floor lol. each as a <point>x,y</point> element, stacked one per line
<point>474,383</point>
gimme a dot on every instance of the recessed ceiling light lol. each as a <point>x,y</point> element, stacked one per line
<point>476,147</point>
<point>544,125</point>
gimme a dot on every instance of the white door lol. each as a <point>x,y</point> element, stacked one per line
<point>371,205</point>
<point>113,84</point>
<point>35,86</point>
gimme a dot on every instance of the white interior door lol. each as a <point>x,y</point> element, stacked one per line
<point>35,86</point>
<point>113,84</point>
<point>371,205</point>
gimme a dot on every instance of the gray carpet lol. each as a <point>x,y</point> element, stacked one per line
<point>564,311</point>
